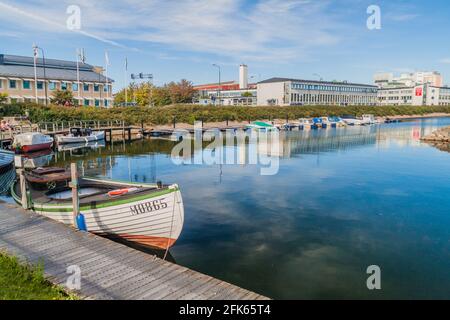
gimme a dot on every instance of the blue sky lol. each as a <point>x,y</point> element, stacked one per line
<point>175,39</point>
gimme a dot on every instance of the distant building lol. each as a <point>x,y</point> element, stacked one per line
<point>291,92</point>
<point>230,93</point>
<point>388,80</point>
<point>17,79</point>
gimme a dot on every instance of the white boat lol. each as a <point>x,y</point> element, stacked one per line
<point>369,119</point>
<point>147,214</point>
<point>307,124</point>
<point>78,135</point>
<point>352,120</point>
<point>31,142</point>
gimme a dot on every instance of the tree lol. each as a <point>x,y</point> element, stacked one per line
<point>181,92</point>
<point>3,97</point>
<point>63,98</point>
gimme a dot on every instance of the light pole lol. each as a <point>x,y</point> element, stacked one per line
<point>320,79</point>
<point>220,84</point>
<point>36,48</point>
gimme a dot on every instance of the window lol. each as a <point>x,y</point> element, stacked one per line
<point>52,85</point>
<point>86,87</point>
<point>96,88</point>
<point>105,103</point>
<point>1,83</point>
<point>26,84</point>
<point>105,88</point>
<point>40,85</point>
<point>74,86</point>
<point>86,102</point>
<point>64,86</point>
<point>12,84</point>
<point>97,103</point>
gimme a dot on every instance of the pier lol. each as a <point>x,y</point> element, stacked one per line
<point>109,270</point>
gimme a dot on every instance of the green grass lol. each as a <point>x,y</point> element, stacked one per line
<point>24,282</point>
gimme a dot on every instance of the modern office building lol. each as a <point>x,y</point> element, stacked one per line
<point>418,95</point>
<point>17,79</point>
<point>290,92</point>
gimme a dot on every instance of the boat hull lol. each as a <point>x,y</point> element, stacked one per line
<point>36,147</point>
<point>155,219</point>
<point>96,136</point>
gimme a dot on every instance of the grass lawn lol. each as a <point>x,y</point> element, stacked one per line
<point>22,282</point>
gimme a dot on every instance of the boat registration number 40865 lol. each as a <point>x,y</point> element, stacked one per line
<point>148,207</point>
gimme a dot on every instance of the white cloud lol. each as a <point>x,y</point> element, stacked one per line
<point>280,29</point>
<point>445,61</point>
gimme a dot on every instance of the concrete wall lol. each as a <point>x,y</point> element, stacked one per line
<point>271,91</point>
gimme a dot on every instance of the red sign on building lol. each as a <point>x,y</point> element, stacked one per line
<point>419,92</point>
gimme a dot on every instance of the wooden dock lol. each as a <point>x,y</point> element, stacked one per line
<point>109,270</point>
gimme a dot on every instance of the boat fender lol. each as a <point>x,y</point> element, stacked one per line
<point>81,222</point>
<point>121,192</point>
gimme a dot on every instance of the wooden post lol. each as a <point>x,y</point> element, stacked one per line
<point>74,186</point>
<point>174,122</point>
<point>23,189</point>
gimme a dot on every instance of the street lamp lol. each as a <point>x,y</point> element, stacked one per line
<point>220,84</point>
<point>320,79</point>
<point>36,48</point>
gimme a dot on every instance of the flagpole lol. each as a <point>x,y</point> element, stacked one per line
<point>126,81</point>
<point>78,76</point>
<point>106,73</point>
<point>35,53</point>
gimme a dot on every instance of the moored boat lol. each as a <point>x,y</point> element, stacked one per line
<point>31,142</point>
<point>260,125</point>
<point>352,120</point>
<point>148,214</point>
<point>79,135</point>
<point>307,124</point>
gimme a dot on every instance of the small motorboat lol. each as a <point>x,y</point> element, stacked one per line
<point>352,120</point>
<point>320,123</point>
<point>31,142</point>
<point>6,160</point>
<point>79,135</point>
<point>336,122</point>
<point>147,214</point>
<point>260,125</point>
<point>307,124</point>
<point>369,119</point>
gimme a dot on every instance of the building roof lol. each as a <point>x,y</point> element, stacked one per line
<point>23,67</point>
<point>275,80</point>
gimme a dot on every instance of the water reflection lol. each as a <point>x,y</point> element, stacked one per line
<point>343,199</point>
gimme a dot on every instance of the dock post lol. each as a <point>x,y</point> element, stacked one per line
<point>174,122</point>
<point>74,186</point>
<point>23,189</point>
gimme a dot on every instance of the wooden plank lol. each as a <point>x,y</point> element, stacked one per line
<point>109,270</point>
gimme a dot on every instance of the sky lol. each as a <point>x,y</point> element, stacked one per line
<point>181,39</point>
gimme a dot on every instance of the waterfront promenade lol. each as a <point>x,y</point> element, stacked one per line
<point>109,270</point>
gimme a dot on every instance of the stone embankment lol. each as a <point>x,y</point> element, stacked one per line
<point>441,135</point>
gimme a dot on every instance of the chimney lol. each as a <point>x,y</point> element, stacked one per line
<point>243,76</point>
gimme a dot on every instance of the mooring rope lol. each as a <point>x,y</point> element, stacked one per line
<point>171,225</point>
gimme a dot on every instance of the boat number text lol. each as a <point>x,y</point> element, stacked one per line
<point>149,206</point>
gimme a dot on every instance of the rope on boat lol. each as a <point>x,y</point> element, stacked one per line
<point>171,225</point>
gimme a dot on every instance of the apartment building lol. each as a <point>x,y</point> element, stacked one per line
<point>18,76</point>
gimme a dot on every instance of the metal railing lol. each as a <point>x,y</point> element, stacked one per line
<point>61,126</point>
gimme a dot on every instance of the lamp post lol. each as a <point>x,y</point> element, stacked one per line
<point>220,84</point>
<point>36,48</point>
<point>320,79</point>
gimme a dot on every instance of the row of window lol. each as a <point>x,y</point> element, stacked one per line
<point>330,98</point>
<point>302,86</point>
<point>27,85</point>
<point>85,102</point>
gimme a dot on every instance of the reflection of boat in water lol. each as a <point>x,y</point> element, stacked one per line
<point>78,135</point>
<point>37,159</point>
<point>81,145</point>
<point>6,160</point>
<point>148,214</point>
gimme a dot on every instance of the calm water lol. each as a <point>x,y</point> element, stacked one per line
<point>344,199</point>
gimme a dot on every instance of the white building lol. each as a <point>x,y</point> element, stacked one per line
<point>418,95</point>
<point>388,80</point>
<point>288,92</point>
